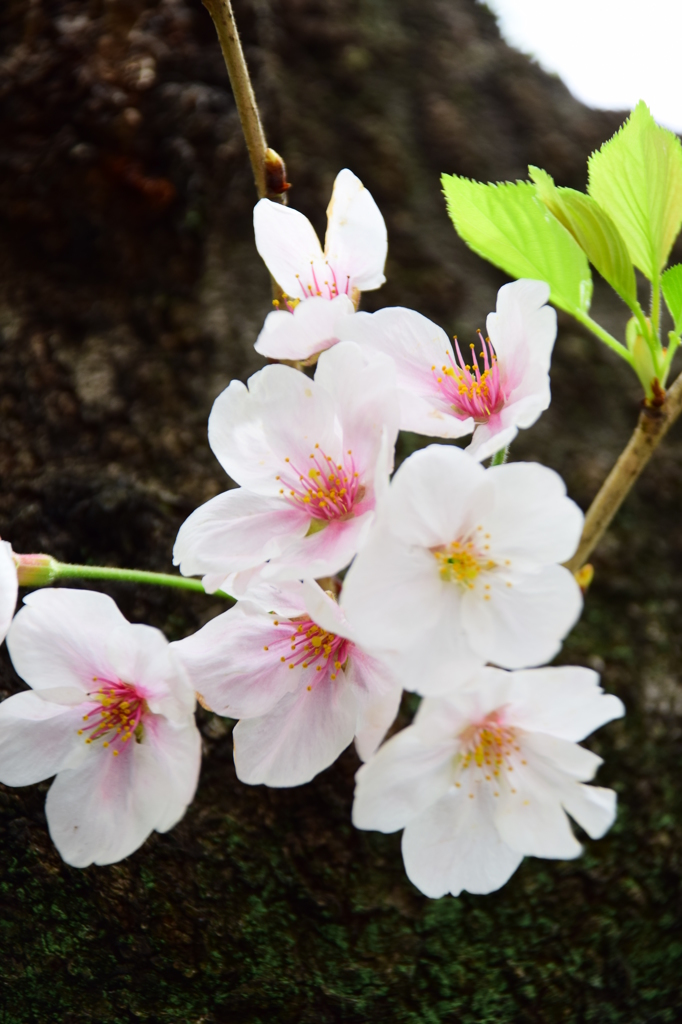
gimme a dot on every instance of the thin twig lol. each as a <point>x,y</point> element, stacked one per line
<point>230,44</point>
<point>652,426</point>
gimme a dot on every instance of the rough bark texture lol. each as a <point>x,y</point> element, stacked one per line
<point>131,294</point>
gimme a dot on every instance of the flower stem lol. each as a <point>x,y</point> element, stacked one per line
<point>42,570</point>
<point>652,426</point>
<point>603,335</point>
<point>499,458</point>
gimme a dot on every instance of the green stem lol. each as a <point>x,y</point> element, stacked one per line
<point>655,305</point>
<point>67,571</point>
<point>499,458</point>
<point>673,345</point>
<point>603,335</point>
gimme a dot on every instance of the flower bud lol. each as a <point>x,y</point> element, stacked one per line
<point>35,570</point>
<point>275,174</point>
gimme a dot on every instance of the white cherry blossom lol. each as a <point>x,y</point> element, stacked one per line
<point>9,588</point>
<point>463,567</point>
<point>310,455</point>
<point>110,713</point>
<point>286,664</point>
<point>486,776</point>
<point>492,389</point>
<point>321,288</point>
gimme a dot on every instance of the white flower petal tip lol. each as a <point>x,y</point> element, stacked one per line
<point>110,713</point>
<point>305,329</point>
<point>9,588</point>
<point>300,685</point>
<point>311,457</point>
<point>479,551</point>
<point>492,388</point>
<point>354,253</point>
<point>486,776</point>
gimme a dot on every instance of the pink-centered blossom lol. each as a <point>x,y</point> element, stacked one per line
<point>9,588</point>
<point>322,288</point>
<point>491,388</point>
<point>464,567</point>
<point>309,455</point>
<point>287,665</point>
<point>109,713</point>
<point>485,777</point>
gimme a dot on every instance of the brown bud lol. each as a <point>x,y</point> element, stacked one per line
<point>275,174</point>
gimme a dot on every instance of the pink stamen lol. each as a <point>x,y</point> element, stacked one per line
<point>117,713</point>
<point>311,646</point>
<point>468,388</point>
<point>329,489</point>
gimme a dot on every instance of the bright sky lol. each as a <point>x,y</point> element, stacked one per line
<point>610,53</point>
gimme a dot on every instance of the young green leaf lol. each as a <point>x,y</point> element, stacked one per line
<point>508,225</point>
<point>636,177</point>
<point>593,230</point>
<point>671,283</point>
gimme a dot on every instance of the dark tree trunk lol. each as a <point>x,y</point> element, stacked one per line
<point>130,294</point>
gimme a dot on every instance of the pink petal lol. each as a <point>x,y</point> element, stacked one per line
<point>356,239</point>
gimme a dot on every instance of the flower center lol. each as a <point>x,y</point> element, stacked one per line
<point>328,488</point>
<point>462,561</point>
<point>323,280</point>
<point>486,755</point>
<point>118,715</point>
<point>309,645</point>
<point>472,389</point>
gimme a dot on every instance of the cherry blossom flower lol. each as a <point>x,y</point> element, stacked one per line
<point>286,664</point>
<point>321,288</point>
<point>463,568</point>
<point>492,390</point>
<point>110,713</point>
<point>484,777</point>
<point>309,456</point>
<point>9,588</point>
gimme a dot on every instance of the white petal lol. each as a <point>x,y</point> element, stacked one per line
<point>325,611</point>
<point>356,233</point>
<point>434,495</point>
<point>280,417</point>
<point>286,242</point>
<point>376,714</point>
<point>299,738</point>
<point>454,846</point>
<point>323,553</point>
<point>406,775</point>
<point>531,516</point>
<point>523,328</point>
<point>566,701</point>
<point>234,531</point>
<point>177,749</point>
<point>524,624</point>
<point>59,638</point>
<point>531,820</point>
<point>313,326</point>
<point>231,668</point>
<point>488,440</point>
<point>416,345</point>
<point>36,737</point>
<point>104,810</point>
<point>593,807</point>
<point>9,588</point>
<point>363,388</point>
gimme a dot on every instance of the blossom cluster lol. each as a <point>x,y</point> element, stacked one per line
<point>352,585</point>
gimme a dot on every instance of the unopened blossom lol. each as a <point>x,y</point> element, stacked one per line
<point>321,288</point>
<point>109,713</point>
<point>309,455</point>
<point>485,777</point>
<point>9,588</point>
<point>464,567</point>
<point>288,667</point>
<point>491,388</point>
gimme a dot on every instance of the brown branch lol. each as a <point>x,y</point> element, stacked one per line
<point>654,422</point>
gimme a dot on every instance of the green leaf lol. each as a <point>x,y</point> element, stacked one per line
<point>593,230</point>
<point>508,225</point>
<point>671,283</point>
<point>636,177</point>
